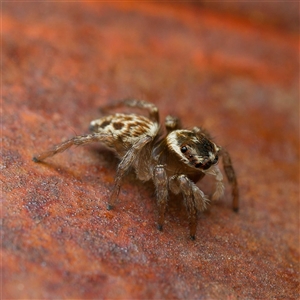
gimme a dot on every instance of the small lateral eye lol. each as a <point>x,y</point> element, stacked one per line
<point>183,149</point>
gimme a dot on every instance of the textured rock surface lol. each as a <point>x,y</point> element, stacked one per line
<point>61,62</point>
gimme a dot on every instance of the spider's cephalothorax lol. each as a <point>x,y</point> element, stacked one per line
<point>175,161</point>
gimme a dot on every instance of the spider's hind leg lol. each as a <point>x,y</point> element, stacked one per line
<point>76,141</point>
<point>135,103</point>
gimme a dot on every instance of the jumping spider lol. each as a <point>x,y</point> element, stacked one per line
<point>175,160</point>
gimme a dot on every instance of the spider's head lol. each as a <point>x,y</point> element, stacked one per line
<point>193,148</point>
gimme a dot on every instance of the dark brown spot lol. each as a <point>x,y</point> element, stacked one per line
<point>127,118</point>
<point>130,125</point>
<point>104,124</point>
<point>118,125</point>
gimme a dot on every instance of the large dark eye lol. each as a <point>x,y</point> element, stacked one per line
<point>183,149</point>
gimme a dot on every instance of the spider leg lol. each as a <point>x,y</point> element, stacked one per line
<point>219,191</point>
<point>187,191</point>
<point>76,140</point>
<point>161,184</point>
<point>152,109</point>
<point>230,173</point>
<point>194,199</point>
<point>125,164</point>
<point>172,123</point>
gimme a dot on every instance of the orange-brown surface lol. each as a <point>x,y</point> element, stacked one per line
<point>238,78</point>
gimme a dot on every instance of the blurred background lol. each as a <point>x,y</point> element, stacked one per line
<point>230,67</point>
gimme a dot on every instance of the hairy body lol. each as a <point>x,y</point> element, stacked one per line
<point>175,161</point>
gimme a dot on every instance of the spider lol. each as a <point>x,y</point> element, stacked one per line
<point>174,160</point>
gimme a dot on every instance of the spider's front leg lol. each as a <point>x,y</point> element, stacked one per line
<point>125,164</point>
<point>229,171</point>
<point>215,171</point>
<point>194,199</point>
<point>161,184</point>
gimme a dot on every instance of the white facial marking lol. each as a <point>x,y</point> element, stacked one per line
<point>211,156</point>
<point>172,141</point>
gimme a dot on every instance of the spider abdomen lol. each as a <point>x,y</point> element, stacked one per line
<point>125,130</point>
